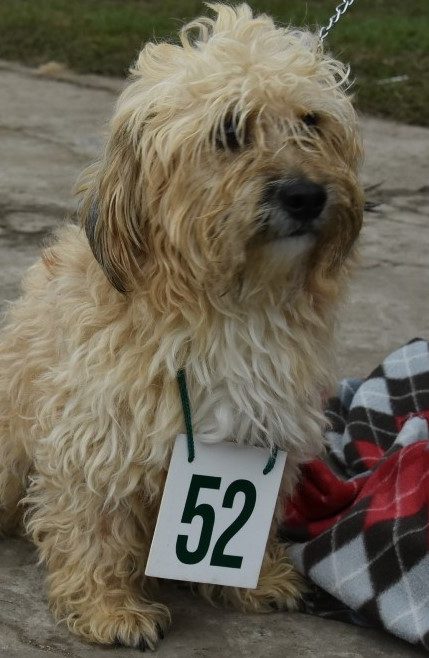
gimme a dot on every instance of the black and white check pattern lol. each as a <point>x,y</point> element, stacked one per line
<point>373,555</point>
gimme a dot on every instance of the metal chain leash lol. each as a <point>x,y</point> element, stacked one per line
<point>339,11</point>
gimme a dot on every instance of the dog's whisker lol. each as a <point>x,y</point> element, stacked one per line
<point>371,206</point>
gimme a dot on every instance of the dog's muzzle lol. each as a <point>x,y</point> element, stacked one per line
<point>293,207</point>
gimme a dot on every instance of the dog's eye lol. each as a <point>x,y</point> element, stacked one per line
<point>227,136</point>
<point>311,119</point>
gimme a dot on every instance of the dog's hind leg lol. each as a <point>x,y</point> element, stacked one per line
<point>17,373</point>
<point>95,555</point>
<point>14,466</point>
<point>14,461</point>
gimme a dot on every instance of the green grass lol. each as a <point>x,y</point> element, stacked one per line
<point>379,38</point>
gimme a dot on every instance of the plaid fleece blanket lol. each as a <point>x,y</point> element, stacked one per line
<point>358,522</point>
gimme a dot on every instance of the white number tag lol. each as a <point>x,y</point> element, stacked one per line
<point>215,514</point>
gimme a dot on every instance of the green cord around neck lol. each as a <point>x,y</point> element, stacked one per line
<point>186,407</point>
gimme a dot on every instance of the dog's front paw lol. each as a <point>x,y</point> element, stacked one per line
<point>280,587</point>
<point>134,624</point>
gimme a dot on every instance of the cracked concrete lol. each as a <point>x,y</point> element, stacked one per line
<point>49,130</point>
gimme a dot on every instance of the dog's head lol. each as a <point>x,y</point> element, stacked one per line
<point>232,159</point>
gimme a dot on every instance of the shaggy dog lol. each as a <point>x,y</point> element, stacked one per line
<point>218,228</point>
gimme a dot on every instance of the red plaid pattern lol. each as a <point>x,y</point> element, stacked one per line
<point>358,522</point>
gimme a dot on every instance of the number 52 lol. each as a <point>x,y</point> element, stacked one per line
<point>207,513</point>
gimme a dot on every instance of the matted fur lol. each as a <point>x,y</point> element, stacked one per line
<point>169,272</point>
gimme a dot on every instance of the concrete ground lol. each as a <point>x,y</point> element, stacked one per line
<point>49,130</point>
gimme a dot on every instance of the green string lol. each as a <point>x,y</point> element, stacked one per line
<point>186,406</point>
<point>271,461</point>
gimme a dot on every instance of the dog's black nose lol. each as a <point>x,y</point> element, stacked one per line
<point>302,199</point>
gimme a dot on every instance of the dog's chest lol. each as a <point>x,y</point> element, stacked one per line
<point>245,391</point>
<point>228,413</point>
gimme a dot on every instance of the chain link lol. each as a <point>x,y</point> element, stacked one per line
<point>339,11</point>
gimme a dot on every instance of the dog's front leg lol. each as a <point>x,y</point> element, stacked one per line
<point>280,586</point>
<point>95,554</point>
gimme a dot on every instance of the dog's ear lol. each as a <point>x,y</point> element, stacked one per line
<point>113,210</point>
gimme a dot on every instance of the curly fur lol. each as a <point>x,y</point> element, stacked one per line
<point>168,271</point>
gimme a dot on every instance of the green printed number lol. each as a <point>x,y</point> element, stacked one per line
<point>219,559</point>
<point>207,513</point>
<point>192,510</point>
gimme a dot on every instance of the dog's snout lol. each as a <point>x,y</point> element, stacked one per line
<point>302,199</point>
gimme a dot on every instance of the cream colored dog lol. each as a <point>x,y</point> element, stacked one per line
<point>218,227</point>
